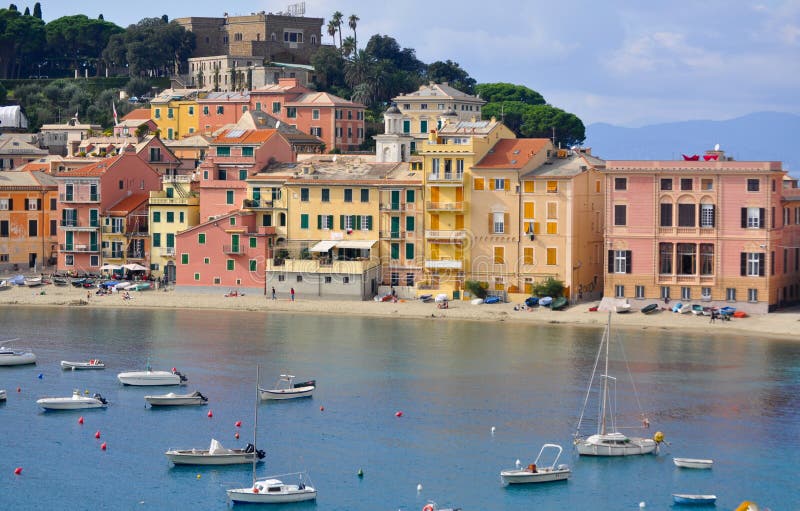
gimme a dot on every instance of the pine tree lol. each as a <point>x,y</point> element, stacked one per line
<point>37,10</point>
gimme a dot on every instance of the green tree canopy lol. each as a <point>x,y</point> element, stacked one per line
<point>22,42</point>
<point>451,73</point>
<point>498,92</point>
<point>77,40</point>
<point>151,46</point>
<point>37,10</point>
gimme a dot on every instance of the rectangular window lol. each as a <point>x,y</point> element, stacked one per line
<point>552,187</point>
<point>619,291</point>
<point>230,264</point>
<point>365,195</point>
<point>620,183</point>
<point>752,295</point>
<point>158,113</point>
<point>201,238</point>
<point>686,215</point>
<point>498,223</point>
<point>184,258</point>
<point>348,195</point>
<point>253,242</point>
<point>666,184</point>
<point>499,184</point>
<point>686,293</point>
<point>409,251</point>
<point>552,227</point>
<point>620,214</point>
<point>730,294</point>
<point>705,293</point>
<point>182,216</point>
<point>499,255</point>
<point>229,197</point>
<point>665,258</point>
<point>170,217</point>
<point>706,215</point>
<point>156,239</point>
<point>276,107</point>
<point>410,224</point>
<point>753,218</point>
<point>639,291</point>
<point>366,222</point>
<point>220,110</point>
<point>156,216</point>
<point>664,291</point>
<point>223,151</point>
<point>527,255</point>
<point>395,251</point>
<point>253,265</point>
<point>326,195</point>
<point>706,259</point>
<point>205,110</point>
<point>752,264</point>
<point>527,186</point>
<point>410,197</point>
<point>291,112</point>
<point>666,215</point>
<point>33,228</point>
<point>551,256</point>
<point>304,194</point>
<point>247,151</point>
<point>304,221</point>
<point>753,185</point>
<point>315,114</point>
<point>686,184</point>
<point>706,184</point>
<point>687,259</point>
<point>477,183</point>
<point>621,262</point>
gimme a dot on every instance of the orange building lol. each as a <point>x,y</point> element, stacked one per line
<point>28,220</point>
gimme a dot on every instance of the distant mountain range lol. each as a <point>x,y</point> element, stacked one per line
<point>762,136</point>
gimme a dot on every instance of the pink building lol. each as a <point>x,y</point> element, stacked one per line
<point>149,148</point>
<point>89,193</point>
<point>230,252</point>
<point>219,109</point>
<point>709,231</point>
<point>337,121</point>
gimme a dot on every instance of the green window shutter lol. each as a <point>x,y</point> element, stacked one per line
<point>170,240</point>
<point>304,221</point>
<point>196,276</point>
<point>409,251</point>
<point>253,242</point>
<point>410,223</point>
<point>395,250</point>
<point>184,258</point>
<point>247,151</point>
<point>341,221</point>
<point>319,221</point>
<point>182,216</point>
<point>406,126</point>
<point>423,126</point>
<point>410,196</point>
<point>242,174</point>
<point>252,265</point>
<point>156,216</point>
<point>330,221</point>
<point>230,264</point>
<point>170,217</point>
<point>201,238</point>
<point>369,223</point>
<point>358,222</point>
<point>229,196</point>
<point>156,239</point>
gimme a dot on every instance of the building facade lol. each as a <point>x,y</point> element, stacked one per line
<point>173,209</point>
<point>175,111</point>
<point>715,231</point>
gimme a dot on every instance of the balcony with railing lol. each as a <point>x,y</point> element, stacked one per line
<point>393,235</point>
<point>258,204</point>
<point>176,179</point>
<point>175,201</point>
<point>113,254</point>
<point>450,235</point>
<point>443,264</point>
<point>79,197</point>
<point>75,225</point>
<point>446,177</point>
<point>322,266</point>
<point>137,254</point>
<point>233,249</point>
<point>168,251</point>
<point>393,206</point>
<point>444,206</point>
<point>80,248</point>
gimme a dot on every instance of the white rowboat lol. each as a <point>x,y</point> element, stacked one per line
<point>287,389</point>
<point>692,499</point>
<point>91,364</point>
<point>692,463</point>
<point>76,402</point>
<point>172,399</point>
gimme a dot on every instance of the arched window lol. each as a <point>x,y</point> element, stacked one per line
<point>313,39</point>
<point>273,37</point>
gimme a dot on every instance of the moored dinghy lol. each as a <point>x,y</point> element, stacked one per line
<point>693,463</point>
<point>76,402</point>
<point>647,309</point>
<point>12,357</point>
<point>215,455</point>
<point>148,377</point>
<point>172,399</point>
<point>534,473</point>
<point>93,363</point>
<point>693,499</point>
<point>287,389</point>
<point>2,395</point>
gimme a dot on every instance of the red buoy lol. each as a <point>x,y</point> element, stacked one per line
<point>236,435</point>
<point>210,414</point>
<point>19,389</point>
<point>80,420</point>
<point>321,408</point>
<point>103,446</point>
<point>238,424</point>
<point>255,490</point>
<point>97,434</point>
<point>173,369</point>
<point>17,471</point>
<point>398,414</point>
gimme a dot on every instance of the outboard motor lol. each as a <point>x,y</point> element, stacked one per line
<point>201,396</point>
<point>260,453</point>
<point>182,377</point>
<point>100,398</point>
<point>250,448</point>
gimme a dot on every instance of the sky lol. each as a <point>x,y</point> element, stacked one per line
<point>624,62</point>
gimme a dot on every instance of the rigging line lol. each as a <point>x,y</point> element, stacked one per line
<point>591,381</point>
<point>630,375</point>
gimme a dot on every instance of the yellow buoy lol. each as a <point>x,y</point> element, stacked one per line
<point>658,437</point>
<point>198,476</point>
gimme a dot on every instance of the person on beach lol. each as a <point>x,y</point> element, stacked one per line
<point>273,294</point>
<point>291,292</point>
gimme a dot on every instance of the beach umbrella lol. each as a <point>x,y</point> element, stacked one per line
<point>110,267</point>
<point>134,267</point>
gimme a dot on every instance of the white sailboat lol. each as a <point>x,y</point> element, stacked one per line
<point>608,441</point>
<point>271,490</point>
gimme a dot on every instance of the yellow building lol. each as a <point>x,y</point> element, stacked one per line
<point>176,113</point>
<point>174,208</point>
<point>448,156</point>
<point>537,213</point>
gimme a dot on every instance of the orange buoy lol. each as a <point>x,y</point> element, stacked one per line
<point>80,420</point>
<point>398,414</point>
<point>210,414</point>
<point>238,424</point>
<point>236,435</point>
<point>103,446</point>
<point>17,471</point>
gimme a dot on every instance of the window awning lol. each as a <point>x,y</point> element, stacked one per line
<point>324,246</point>
<point>361,244</point>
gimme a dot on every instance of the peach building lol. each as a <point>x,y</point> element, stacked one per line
<point>710,231</point>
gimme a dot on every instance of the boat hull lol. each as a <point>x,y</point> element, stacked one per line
<point>149,378</point>
<point>68,403</point>
<point>693,500</point>
<point>524,476</point>
<point>693,463</point>
<point>278,394</point>
<point>200,457</point>
<point>594,446</point>
<point>175,400</point>
<point>247,495</point>
<point>66,364</point>
<point>17,359</point>
<point>2,395</point>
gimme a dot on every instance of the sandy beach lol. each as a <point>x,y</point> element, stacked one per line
<point>784,324</point>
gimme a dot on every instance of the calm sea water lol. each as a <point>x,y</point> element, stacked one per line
<point>733,399</point>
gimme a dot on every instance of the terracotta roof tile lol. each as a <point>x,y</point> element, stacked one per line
<point>95,169</point>
<point>239,136</point>
<point>512,153</point>
<point>130,203</point>
<point>138,114</point>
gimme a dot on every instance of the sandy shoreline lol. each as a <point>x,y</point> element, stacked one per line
<point>782,324</point>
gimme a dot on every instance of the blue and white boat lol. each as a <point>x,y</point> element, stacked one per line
<point>693,499</point>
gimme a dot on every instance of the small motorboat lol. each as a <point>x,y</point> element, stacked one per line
<point>677,307</point>
<point>59,281</point>
<point>476,301</point>
<point>2,395</point>
<point>740,314</point>
<point>685,308</point>
<point>140,286</point>
<point>647,309</point>
<point>692,463</point>
<point>93,363</point>
<point>622,308</point>
<point>441,297</point>
<point>491,299</point>
<point>76,402</point>
<point>214,455</point>
<point>532,301</point>
<point>4,285</point>
<point>534,473</point>
<point>33,281</point>
<point>559,303</point>
<point>697,310</point>
<point>727,311</point>
<point>172,399</point>
<point>149,377</point>
<point>125,284</point>
<point>426,298</point>
<point>79,282</point>
<point>12,357</point>
<point>274,491</point>
<point>431,506</point>
<point>693,500</point>
<point>545,301</point>
<point>285,388</point>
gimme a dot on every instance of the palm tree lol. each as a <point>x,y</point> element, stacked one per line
<point>353,22</point>
<point>337,20</point>
<point>332,31</point>
<point>348,46</point>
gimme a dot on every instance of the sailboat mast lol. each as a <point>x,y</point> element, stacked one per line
<point>605,379</point>
<point>255,423</point>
